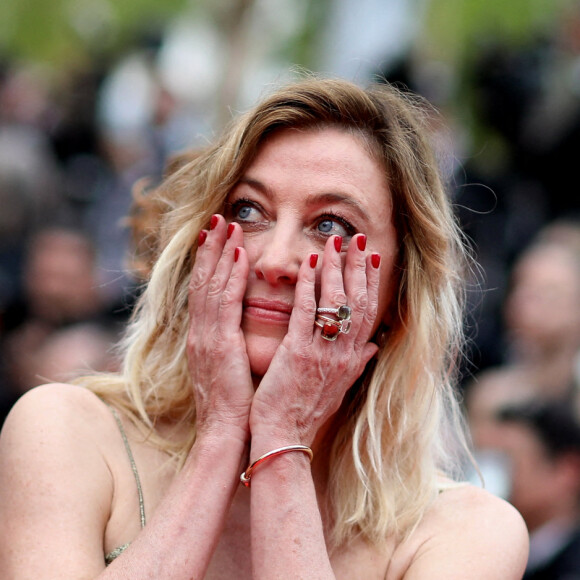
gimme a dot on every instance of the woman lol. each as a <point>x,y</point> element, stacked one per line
<point>305,298</point>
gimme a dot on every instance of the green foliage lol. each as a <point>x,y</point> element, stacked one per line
<point>456,29</point>
<point>62,32</point>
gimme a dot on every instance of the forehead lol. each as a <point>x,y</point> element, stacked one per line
<point>321,160</point>
<point>334,139</point>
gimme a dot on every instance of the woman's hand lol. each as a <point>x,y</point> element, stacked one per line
<point>309,375</point>
<point>216,350</point>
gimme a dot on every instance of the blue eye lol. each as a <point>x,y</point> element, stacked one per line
<point>325,226</point>
<point>334,225</point>
<point>243,212</point>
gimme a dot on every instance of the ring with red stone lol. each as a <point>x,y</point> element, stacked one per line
<point>331,328</point>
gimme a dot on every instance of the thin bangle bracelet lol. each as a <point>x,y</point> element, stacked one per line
<point>245,477</point>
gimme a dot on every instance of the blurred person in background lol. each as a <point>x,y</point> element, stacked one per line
<point>541,444</point>
<point>541,343</point>
<point>542,310</point>
<point>60,279</point>
<point>72,351</point>
<point>60,289</point>
<point>62,354</point>
<point>524,142</point>
<point>30,176</point>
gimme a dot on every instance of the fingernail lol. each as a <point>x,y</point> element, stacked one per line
<point>338,243</point>
<point>214,222</point>
<point>313,260</point>
<point>236,254</point>
<point>376,260</point>
<point>361,242</point>
<point>230,230</point>
<point>201,238</point>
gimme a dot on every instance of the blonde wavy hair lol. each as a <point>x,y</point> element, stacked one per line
<point>399,427</point>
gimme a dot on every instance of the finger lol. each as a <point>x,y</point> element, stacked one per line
<point>372,269</point>
<point>301,323</point>
<point>231,302</point>
<point>355,281</point>
<point>332,293</point>
<point>206,261</point>
<point>223,269</point>
<point>213,275</point>
<point>226,288</point>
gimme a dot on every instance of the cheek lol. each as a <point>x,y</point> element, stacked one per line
<point>252,247</point>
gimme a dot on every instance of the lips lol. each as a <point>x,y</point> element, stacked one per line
<point>268,310</point>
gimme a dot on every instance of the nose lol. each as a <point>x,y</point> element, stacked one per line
<point>279,254</point>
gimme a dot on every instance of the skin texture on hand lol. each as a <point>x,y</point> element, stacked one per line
<point>309,376</point>
<point>218,361</point>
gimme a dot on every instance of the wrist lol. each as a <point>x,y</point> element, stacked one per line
<point>271,456</point>
<point>265,437</point>
<point>220,428</point>
<point>228,449</point>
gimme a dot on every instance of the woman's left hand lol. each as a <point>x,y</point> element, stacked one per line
<point>309,375</point>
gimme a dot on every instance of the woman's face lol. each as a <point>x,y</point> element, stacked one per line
<point>302,187</point>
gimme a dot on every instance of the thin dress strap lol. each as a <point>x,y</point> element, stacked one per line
<point>118,551</point>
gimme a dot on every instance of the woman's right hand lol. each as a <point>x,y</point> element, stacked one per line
<point>216,349</point>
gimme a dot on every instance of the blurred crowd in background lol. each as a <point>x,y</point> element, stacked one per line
<point>74,144</point>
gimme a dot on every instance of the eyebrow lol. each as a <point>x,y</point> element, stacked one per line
<point>319,199</point>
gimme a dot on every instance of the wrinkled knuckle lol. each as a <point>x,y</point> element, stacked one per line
<point>307,306</point>
<point>359,301</point>
<point>227,298</point>
<point>373,307</point>
<point>197,281</point>
<point>214,288</point>
<point>337,298</point>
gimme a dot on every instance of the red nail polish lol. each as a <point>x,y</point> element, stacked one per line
<point>313,260</point>
<point>230,230</point>
<point>361,242</point>
<point>214,222</point>
<point>376,260</point>
<point>236,254</point>
<point>201,238</point>
<point>338,243</point>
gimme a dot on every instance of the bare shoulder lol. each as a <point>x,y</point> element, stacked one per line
<point>55,479</point>
<point>479,511</point>
<point>469,533</point>
<point>59,397</point>
<point>57,411</point>
<point>55,429</point>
